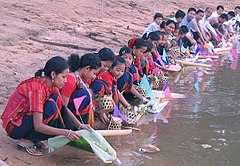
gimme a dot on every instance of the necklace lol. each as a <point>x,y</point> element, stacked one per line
<point>80,81</point>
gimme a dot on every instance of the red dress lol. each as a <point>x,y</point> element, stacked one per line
<point>29,97</point>
<point>69,88</point>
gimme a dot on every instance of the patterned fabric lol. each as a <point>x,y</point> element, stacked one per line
<point>134,71</point>
<point>125,82</point>
<point>152,65</point>
<point>105,84</point>
<point>72,89</point>
<point>145,67</point>
<point>29,97</point>
<point>137,63</point>
<point>85,109</point>
<point>52,116</point>
<point>71,86</point>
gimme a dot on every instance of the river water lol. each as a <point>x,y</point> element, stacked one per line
<point>202,129</point>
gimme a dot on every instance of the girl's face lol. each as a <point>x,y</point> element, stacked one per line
<point>182,35</point>
<point>176,32</point>
<point>191,15</point>
<point>105,65</point>
<point>237,11</point>
<point>155,43</point>
<point>118,70</point>
<point>138,52</point>
<point>60,79</point>
<point>146,56</point>
<point>170,28</point>
<point>89,73</point>
<point>163,40</point>
<point>159,20</point>
<point>128,58</point>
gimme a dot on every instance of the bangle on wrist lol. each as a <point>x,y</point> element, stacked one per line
<point>69,133</point>
<point>80,127</point>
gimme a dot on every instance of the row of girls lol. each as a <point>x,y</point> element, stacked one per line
<point>94,75</point>
<point>46,105</point>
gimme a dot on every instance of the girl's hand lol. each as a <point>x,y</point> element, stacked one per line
<point>145,100</point>
<point>85,126</point>
<point>72,135</point>
<point>103,117</point>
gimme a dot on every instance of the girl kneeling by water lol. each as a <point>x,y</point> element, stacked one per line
<point>76,93</point>
<point>106,84</point>
<point>125,82</point>
<point>35,110</point>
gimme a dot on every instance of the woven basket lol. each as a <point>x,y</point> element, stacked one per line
<point>140,90</point>
<point>130,115</point>
<point>155,82</point>
<point>115,123</point>
<point>105,103</point>
<point>172,61</point>
<point>175,52</point>
<point>163,79</point>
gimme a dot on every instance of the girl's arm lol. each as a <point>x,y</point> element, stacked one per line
<point>45,129</point>
<point>65,100</point>
<point>122,99</point>
<point>159,66</point>
<point>138,95</point>
<point>75,121</point>
<point>190,38</point>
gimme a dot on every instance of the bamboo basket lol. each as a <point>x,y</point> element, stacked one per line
<point>175,52</point>
<point>105,103</point>
<point>154,82</point>
<point>163,79</point>
<point>115,123</point>
<point>141,90</point>
<point>130,114</point>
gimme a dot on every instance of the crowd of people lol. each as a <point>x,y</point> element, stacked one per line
<point>62,97</point>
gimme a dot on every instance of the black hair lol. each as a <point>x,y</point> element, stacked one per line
<point>179,14</point>
<point>170,22</point>
<point>215,25</point>
<point>154,36</point>
<point>145,36</point>
<point>237,7</point>
<point>125,50</point>
<point>161,34</point>
<point>224,16</point>
<point>157,15</point>
<point>207,8</point>
<point>57,64</point>
<point>106,54</point>
<point>177,26</point>
<point>137,42</point>
<point>149,46</point>
<point>199,11</point>
<point>163,24</point>
<point>191,9</point>
<point>75,62</point>
<point>231,13</point>
<point>118,60</point>
<point>220,7</point>
<point>183,29</point>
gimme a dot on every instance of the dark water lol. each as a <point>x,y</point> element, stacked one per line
<point>203,129</point>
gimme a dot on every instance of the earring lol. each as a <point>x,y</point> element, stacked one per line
<point>52,80</point>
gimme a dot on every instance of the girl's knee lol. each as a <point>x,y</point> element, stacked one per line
<point>49,109</point>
